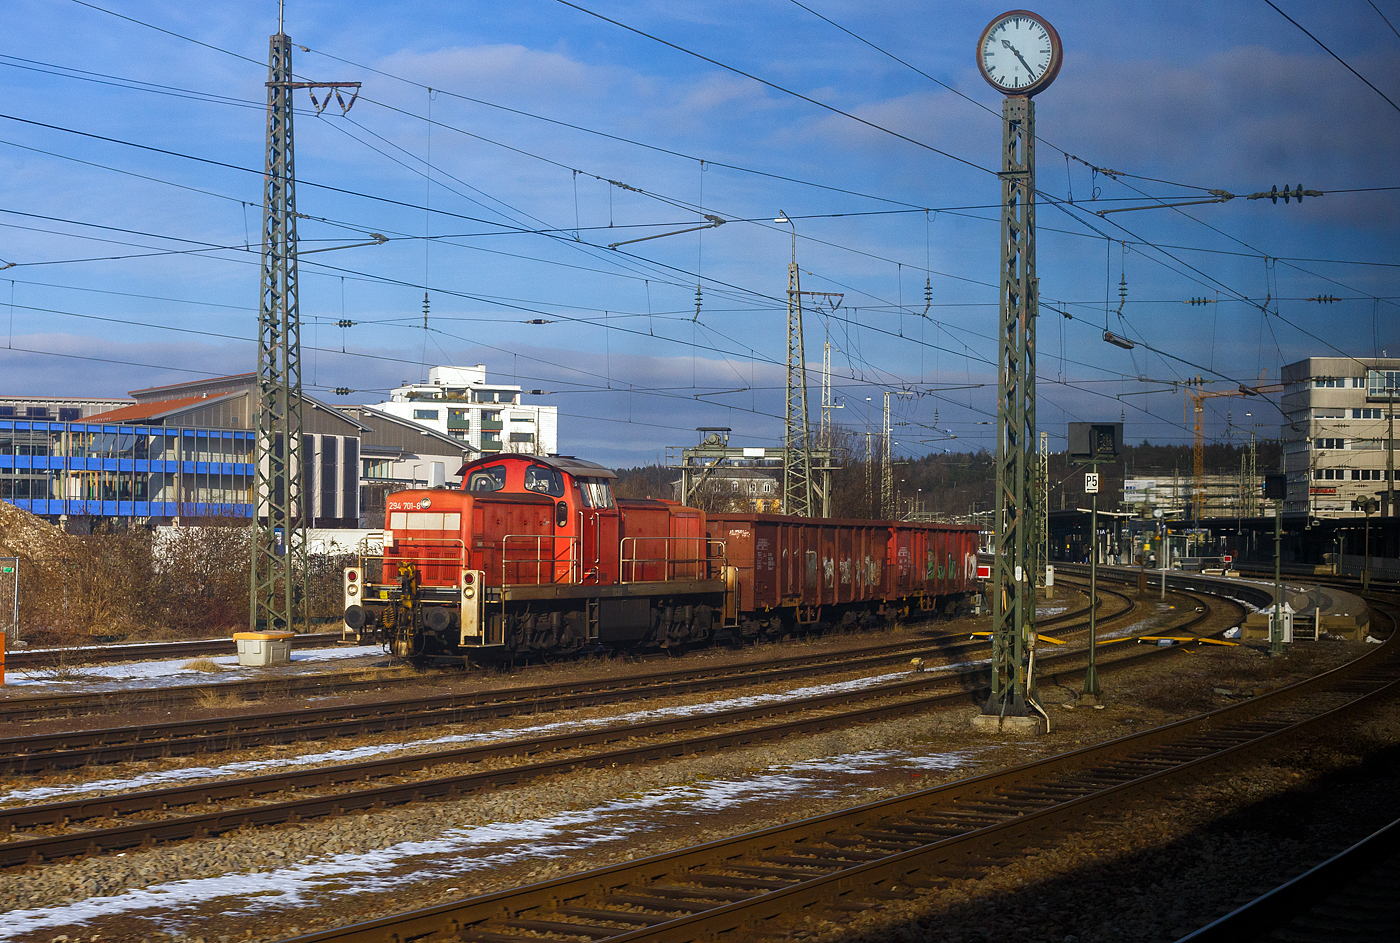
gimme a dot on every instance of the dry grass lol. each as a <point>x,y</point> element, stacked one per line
<point>210,699</point>
<point>203,663</point>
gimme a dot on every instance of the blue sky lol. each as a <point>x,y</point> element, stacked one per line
<point>555,134</point>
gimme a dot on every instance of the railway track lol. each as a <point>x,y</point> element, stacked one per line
<point>145,651</point>
<point>70,750</point>
<point>754,886</point>
<point>1350,896</point>
<point>831,711</point>
<point>28,707</point>
<point>54,706</point>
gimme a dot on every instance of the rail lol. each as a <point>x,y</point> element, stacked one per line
<point>634,568</point>
<point>758,883</point>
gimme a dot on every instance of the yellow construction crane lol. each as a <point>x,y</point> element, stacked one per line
<point>1195,404</point>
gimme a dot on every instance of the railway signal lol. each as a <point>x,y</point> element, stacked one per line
<point>1093,444</point>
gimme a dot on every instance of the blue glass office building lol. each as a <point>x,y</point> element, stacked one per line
<point>118,471</point>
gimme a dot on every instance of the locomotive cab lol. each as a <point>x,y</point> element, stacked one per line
<point>527,554</point>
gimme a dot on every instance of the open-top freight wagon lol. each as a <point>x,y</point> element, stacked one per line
<point>535,554</point>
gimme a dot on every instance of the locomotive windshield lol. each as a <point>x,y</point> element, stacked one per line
<point>544,480</point>
<point>487,479</point>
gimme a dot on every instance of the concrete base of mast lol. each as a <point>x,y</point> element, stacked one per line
<point>1014,726</point>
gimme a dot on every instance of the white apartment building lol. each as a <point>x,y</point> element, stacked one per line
<point>458,402</point>
<point>1337,432</point>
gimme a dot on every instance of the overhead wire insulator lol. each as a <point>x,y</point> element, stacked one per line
<point>1324,299</point>
<point>345,323</point>
<point>1201,301</point>
<point>343,391</point>
<point>539,321</point>
<point>1274,193</point>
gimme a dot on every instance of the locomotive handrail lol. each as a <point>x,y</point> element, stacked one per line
<point>540,560</point>
<point>421,560</point>
<point>671,564</point>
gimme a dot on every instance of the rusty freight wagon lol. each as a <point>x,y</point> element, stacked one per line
<point>803,571</point>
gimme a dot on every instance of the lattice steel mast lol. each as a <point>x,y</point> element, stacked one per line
<point>797,439</point>
<point>278,584</point>
<point>1013,579</point>
<point>279,537</point>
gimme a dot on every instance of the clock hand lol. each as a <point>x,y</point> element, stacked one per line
<point>1017,53</point>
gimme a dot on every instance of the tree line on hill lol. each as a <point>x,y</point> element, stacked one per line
<point>956,484</point>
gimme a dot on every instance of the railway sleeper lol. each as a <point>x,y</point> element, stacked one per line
<point>660,904</point>
<point>911,836</point>
<point>794,874</point>
<point>863,840</point>
<point>756,884</point>
<point>855,857</point>
<point>629,917</point>
<point>486,936</point>
<point>574,929</point>
<point>699,893</point>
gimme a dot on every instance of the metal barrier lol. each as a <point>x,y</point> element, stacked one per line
<point>672,566</point>
<point>562,569</point>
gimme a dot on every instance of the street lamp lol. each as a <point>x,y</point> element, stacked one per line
<point>782,220</point>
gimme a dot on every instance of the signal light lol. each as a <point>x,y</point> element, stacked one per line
<point>468,578</point>
<point>352,575</point>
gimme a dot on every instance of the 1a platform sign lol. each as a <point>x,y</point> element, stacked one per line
<point>9,598</point>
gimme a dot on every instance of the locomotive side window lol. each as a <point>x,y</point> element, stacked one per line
<point>595,492</point>
<point>487,479</point>
<point>544,480</point>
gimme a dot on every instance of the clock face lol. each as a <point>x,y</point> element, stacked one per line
<point>1019,53</point>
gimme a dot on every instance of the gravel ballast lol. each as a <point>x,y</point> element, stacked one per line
<point>328,872</point>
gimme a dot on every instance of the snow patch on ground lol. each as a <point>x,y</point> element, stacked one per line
<point>171,672</point>
<point>158,778</point>
<point>175,906</point>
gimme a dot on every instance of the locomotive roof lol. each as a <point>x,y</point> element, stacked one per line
<point>578,467</point>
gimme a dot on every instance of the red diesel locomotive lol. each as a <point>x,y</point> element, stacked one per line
<point>535,555</point>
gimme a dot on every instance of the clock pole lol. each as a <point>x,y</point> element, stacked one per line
<point>1019,54</point>
<point>1013,577</point>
